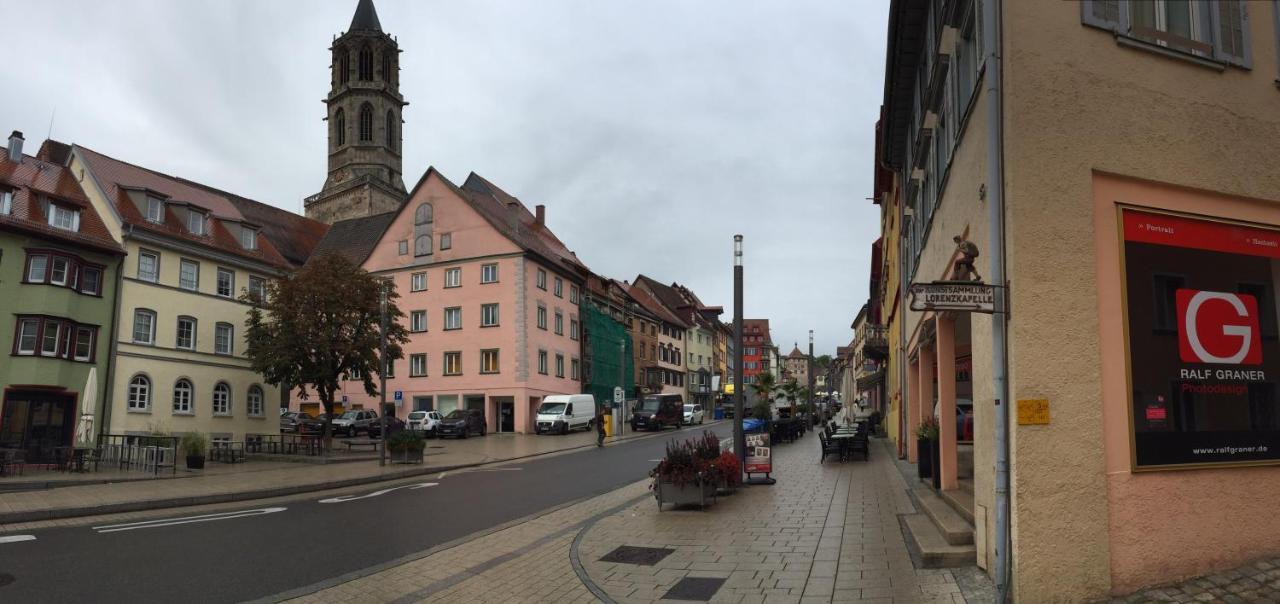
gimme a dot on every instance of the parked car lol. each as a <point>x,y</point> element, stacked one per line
<point>964,418</point>
<point>290,420</point>
<point>461,423</point>
<point>693,413</point>
<point>424,421</point>
<point>656,411</point>
<point>311,425</point>
<point>354,422</point>
<point>560,413</point>
<point>394,424</point>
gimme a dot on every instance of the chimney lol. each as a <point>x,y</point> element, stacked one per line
<point>15,147</point>
<point>541,216</point>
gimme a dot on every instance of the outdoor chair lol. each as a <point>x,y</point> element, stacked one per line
<point>860,444</point>
<point>827,447</point>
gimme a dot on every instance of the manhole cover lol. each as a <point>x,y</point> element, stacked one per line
<point>697,589</point>
<point>643,556</point>
<point>6,579</point>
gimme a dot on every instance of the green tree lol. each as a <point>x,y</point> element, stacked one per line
<point>322,325</point>
<point>765,387</point>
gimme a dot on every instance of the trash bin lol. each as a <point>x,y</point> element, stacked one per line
<point>608,425</point>
<point>719,415</point>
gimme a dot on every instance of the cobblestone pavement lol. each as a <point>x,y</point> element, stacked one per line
<point>824,533</point>
<point>1257,582</point>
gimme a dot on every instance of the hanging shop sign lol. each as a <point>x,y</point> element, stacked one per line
<point>964,297</point>
<point>1204,351</point>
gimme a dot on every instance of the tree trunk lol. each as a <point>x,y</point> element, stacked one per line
<point>326,435</point>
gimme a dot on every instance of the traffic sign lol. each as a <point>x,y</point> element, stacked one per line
<point>618,394</point>
<point>344,398</point>
<point>399,395</point>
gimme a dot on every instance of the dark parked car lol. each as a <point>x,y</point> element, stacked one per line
<point>290,420</point>
<point>462,423</point>
<point>655,411</point>
<point>311,425</point>
<point>394,424</point>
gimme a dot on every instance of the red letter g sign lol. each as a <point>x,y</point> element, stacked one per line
<point>1218,327</point>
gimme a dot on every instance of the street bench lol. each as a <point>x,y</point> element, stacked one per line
<point>372,444</point>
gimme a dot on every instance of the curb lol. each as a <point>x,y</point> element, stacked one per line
<point>177,502</point>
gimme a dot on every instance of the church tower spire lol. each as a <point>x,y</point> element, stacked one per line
<point>364,118</point>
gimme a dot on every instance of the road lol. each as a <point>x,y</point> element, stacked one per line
<point>244,554</point>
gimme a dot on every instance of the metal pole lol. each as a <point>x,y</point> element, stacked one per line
<point>739,443</point>
<point>809,407</point>
<point>382,375</point>
<point>622,374</point>
<point>999,321</point>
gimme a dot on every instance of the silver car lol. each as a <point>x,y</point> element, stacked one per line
<point>354,422</point>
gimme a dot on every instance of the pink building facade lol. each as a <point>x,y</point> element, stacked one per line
<point>491,299</point>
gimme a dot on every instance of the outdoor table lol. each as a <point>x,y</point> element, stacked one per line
<point>843,439</point>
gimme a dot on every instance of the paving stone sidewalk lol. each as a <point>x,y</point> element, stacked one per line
<point>1257,582</point>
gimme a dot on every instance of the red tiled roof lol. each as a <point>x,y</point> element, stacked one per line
<point>117,176</point>
<point>295,236</point>
<point>758,327</point>
<point>651,304</point>
<point>31,177</point>
<point>500,207</point>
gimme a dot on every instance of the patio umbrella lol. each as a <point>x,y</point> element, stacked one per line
<point>84,428</point>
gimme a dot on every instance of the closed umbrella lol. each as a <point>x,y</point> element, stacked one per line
<point>88,403</point>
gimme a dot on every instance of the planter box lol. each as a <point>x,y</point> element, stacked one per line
<point>407,456</point>
<point>723,488</point>
<point>937,466</point>
<point>924,457</point>
<point>195,462</point>
<point>695,493</point>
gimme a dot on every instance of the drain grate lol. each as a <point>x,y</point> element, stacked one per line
<point>696,589</point>
<point>643,556</point>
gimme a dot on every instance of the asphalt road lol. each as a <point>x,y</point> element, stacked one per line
<point>258,554</point>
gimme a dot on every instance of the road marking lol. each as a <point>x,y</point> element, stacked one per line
<point>112,528</point>
<point>17,538</point>
<point>346,498</point>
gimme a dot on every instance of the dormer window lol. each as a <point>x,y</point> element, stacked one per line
<point>61,217</point>
<point>196,222</point>
<point>6,202</point>
<point>155,210</point>
<point>248,238</point>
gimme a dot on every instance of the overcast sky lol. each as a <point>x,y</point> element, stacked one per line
<point>653,131</point>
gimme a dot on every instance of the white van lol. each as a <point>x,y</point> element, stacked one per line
<point>560,413</point>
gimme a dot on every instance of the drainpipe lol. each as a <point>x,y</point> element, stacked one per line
<point>991,11</point>
<point>107,398</point>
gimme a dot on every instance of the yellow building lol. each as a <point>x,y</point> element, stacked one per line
<point>178,354</point>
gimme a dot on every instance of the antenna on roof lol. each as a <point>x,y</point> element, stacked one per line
<point>51,116</point>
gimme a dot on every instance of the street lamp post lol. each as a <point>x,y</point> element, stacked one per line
<point>809,407</point>
<point>739,444</point>
<point>382,375</point>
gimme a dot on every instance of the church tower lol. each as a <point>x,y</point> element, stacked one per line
<point>364,109</point>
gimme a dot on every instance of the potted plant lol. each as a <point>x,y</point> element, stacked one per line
<point>682,477</point>
<point>729,472</point>
<point>406,447</point>
<point>195,445</point>
<point>926,437</point>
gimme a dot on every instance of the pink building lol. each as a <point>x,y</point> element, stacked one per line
<point>490,295</point>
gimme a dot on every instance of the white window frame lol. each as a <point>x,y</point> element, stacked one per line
<point>229,339</point>
<point>184,264</point>
<point>248,238</point>
<point>154,275</point>
<point>453,277</point>
<point>231,282</point>
<point>177,341</point>
<point>418,365</point>
<point>151,326</point>
<point>489,273</point>
<point>43,261</point>
<point>453,318</point>
<point>417,321</point>
<point>574,368</point>
<point>446,241</point>
<point>6,202</point>
<point>573,293</point>
<point>184,405</point>
<point>559,288</point>
<point>253,401</point>
<point>456,357</point>
<point>139,393</point>
<point>418,282</point>
<point>221,400</point>
<point>489,315</point>
<point>97,282</point>
<point>61,217</point>
<point>490,361</point>
<point>196,222</point>
<point>559,322</point>
<point>155,209</point>
<point>53,270</point>
<point>559,365</point>
<point>542,317</point>
<point>34,335</point>
<point>542,280</point>
<point>258,288</point>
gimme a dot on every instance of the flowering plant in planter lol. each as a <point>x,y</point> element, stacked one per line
<point>680,465</point>
<point>729,469</point>
<point>928,429</point>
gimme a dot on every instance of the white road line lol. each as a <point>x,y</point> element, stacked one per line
<point>346,498</point>
<point>17,538</point>
<point>112,528</point>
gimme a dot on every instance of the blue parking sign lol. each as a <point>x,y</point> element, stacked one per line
<point>399,395</point>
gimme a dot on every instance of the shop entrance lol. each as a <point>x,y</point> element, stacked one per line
<point>506,413</point>
<point>37,422</point>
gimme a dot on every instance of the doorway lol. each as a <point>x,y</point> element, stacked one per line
<point>506,414</point>
<point>37,422</point>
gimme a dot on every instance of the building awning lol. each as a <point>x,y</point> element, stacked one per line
<point>728,388</point>
<point>870,380</point>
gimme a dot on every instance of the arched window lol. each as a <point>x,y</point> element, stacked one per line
<point>182,391</point>
<point>366,122</point>
<point>343,67</point>
<point>140,393</point>
<point>422,245</point>
<point>222,399</point>
<point>340,127</point>
<point>255,400</point>
<point>423,214</point>
<point>388,65</point>
<point>366,64</point>
<point>391,130</point>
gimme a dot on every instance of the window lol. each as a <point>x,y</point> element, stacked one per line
<point>91,282</point>
<point>573,369</point>
<point>1212,30</point>
<point>542,362</point>
<point>388,56</point>
<point>417,282</point>
<point>28,335</point>
<point>37,267</point>
<point>403,247</point>
<point>559,322</point>
<point>489,273</point>
<point>222,399</point>
<point>186,333</point>
<point>423,215</point>
<point>559,365</point>
<point>258,288</point>
<point>391,368</point>
<point>64,218</point>
<point>453,277</point>
<point>391,130</point>
<point>222,338</point>
<point>196,222</point>
<point>155,209</point>
<point>189,275</point>
<point>418,320</point>
<point>365,64</point>
<point>226,282</point>
<point>573,294</point>
<point>453,318</point>
<point>140,393</point>
<point>182,391</point>
<point>148,266</point>
<point>559,291</point>
<point>573,328</point>
<point>453,363</point>
<point>144,327</point>
<point>542,317</point>
<point>340,121</point>
<point>58,276</point>
<point>85,337</point>
<point>446,241</point>
<point>255,401</point>
<point>417,365</point>
<point>366,122</point>
<point>248,238</point>
<point>344,67</point>
<point>489,361</point>
<point>488,315</point>
<point>542,280</point>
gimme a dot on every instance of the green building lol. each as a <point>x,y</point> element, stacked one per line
<point>59,267</point>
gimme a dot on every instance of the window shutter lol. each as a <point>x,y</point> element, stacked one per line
<point>1231,30</point>
<point>1104,14</point>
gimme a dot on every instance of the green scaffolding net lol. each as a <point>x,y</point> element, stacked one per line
<point>609,348</point>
